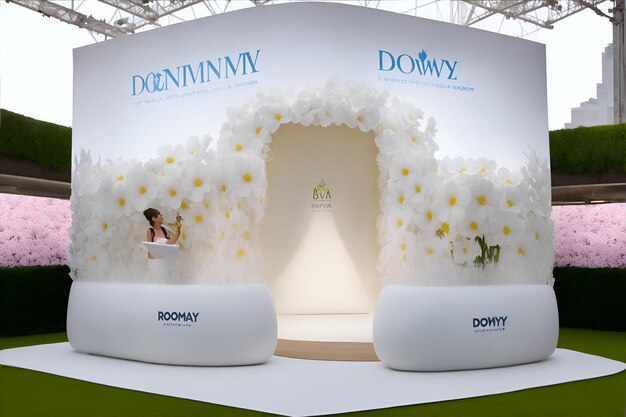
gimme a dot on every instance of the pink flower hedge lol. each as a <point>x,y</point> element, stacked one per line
<point>592,236</point>
<point>33,230</point>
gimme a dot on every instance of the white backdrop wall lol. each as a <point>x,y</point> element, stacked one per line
<point>489,97</point>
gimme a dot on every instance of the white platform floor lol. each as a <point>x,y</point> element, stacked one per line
<point>295,387</point>
<point>326,327</point>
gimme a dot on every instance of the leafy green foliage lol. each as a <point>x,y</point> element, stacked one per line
<point>588,149</point>
<point>488,254</point>
<point>48,144</point>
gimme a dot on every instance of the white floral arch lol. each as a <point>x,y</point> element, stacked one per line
<point>453,222</point>
<point>447,222</point>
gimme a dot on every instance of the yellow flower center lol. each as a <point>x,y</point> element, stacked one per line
<point>483,169</point>
<point>462,169</point>
<point>403,246</point>
<point>93,258</point>
<point>278,116</point>
<point>399,222</point>
<point>429,251</point>
<point>521,251</point>
<point>452,201</point>
<point>247,177</point>
<point>464,251</point>
<point>405,171</point>
<point>184,205</point>
<point>238,147</point>
<point>240,253</point>
<point>509,203</point>
<point>198,218</point>
<point>474,226</point>
<point>142,189</point>
<point>105,226</point>
<point>418,189</point>
<point>413,138</point>
<point>169,159</point>
<point>120,178</point>
<point>536,235</point>
<point>258,130</point>
<point>172,192</point>
<point>482,200</point>
<point>359,119</point>
<point>509,181</point>
<point>223,188</point>
<point>121,202</point>
<point>206,205</point>
<point>228,214</point>
<point>446,228</point>
<point>183,235</point>
<point>411,117</point>
<point>401,199</point>
<point>404,257</point>
<point>197,182</point>
<point>429,215</point>
<point>506,230</point>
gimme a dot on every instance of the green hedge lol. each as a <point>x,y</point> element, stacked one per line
<point>48,144</point>
<point>33,299</point>
<point>591,298</point>
<point>588,149</point>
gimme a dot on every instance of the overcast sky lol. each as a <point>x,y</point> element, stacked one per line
<point>36,62</point>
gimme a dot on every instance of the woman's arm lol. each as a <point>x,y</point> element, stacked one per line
<point>173,236</point>
<point>149,239</point>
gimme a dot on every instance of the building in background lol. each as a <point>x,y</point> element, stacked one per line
<point>597,111</point>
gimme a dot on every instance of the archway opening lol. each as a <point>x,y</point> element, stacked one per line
<point>319,233</point>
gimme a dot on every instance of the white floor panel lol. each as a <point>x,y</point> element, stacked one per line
<point>296,387</point>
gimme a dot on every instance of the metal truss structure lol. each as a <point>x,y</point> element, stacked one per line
<point>113,18</point>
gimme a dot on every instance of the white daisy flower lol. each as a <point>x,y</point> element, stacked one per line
<point>451,168</point>
<point>486,167</point>
<point>229,145</point>
<point>170,191</point>
<point>117,202</point>
<point>505,229</point>
<point>246,176</point>
<point>473,225</point>
<point>141,188</point>
<point>464,251</point>
<point>451,202</point>
<point>196,181</point>
<point>407,166</point>
<point>426,219</point>
<point>420,189</point>
<point>508,178</point>
<point>432,250</point>
<point>515,200</point>
<point>275,115</point>
<point>170,156</point>
<point>485,198</point>
<point>367,118</point>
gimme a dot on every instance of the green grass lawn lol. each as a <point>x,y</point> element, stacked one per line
<point>30,393</point>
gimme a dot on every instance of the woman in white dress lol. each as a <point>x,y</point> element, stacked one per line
<point>156,232</point>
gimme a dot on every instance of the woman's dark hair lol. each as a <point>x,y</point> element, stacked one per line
<point>150,213</point>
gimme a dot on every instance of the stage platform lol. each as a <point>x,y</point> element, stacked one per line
<point>295,387</point>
